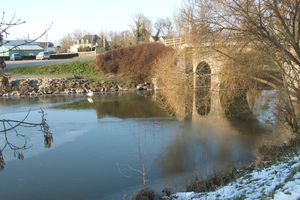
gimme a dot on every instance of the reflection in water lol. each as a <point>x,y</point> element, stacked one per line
<point>18,142</point>
<point>215,142</point>
<point>203,86</point>
<point>142,171</point>
<point>128,107</point>
<point>120,106</point>
<point>2,162</point>
<point>131,134</point>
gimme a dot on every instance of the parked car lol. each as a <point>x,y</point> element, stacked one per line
<point>43,56</point>
<point>15,56</point>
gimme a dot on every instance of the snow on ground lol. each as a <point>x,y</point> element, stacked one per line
<point>280,182</point>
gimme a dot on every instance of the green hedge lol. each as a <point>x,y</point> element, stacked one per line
<point>64,55</point>
<point>5,57</point>
<point>28,57</point>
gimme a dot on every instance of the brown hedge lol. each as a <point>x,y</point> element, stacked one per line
<point>136,61</point>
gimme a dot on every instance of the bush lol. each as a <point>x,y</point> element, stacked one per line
<point>5,57</point>
<point>217,180</point>
<point>145,194</point>
<point>28,57</point>
<point>86,49</point>
<point>136,61</point>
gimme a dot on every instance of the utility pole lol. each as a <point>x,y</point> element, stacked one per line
<point>104,43</point>
<point>46,49</point>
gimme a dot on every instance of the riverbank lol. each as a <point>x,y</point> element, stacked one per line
<point>274,175</point>
<point>78,77</point>
<point>279,181</point>
<point>34,86</point>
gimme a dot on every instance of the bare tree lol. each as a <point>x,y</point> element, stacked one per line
<point>11,127</point>
<point>141,28</point>
<point>272,24</point>
<point>238,29</point>
<point>78,34</point>
<point>164,27</point>
<point>66,42</point>
<point>120,39</point>
<point>69,39</point>
<point>5,26</point>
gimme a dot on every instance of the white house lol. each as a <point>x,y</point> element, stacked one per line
<point>87,43</point>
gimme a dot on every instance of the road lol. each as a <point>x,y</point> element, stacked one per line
<point>30,63</point>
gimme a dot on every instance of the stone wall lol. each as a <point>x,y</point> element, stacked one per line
<point>48,86</point>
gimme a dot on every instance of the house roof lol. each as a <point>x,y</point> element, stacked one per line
<point>93,38</point>
<point>25,47</point>
<point>18,42</point>
<point>44,44</point>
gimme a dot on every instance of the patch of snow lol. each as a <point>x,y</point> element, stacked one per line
<point>291,189</point>
<point>275,182</point>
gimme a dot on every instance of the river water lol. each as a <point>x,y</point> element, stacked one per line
<point>102,145</point>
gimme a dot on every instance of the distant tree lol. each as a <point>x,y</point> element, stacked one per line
<point>120,39</point>
<point>66,42</point>
<point>78,34</point>
<point>128,38</point>
<point>104,41</point>
<point>141,28</point>
<point>164,27</point>
<point>115,39</point>
<point>69,39</point>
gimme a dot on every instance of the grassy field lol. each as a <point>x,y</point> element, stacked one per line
<point>85,69</point>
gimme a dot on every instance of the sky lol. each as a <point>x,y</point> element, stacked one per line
<point>90,15</point>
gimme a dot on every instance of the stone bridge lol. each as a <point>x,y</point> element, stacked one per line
<point>206,66</point>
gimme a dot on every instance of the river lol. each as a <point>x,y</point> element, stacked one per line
<point>106,146</point>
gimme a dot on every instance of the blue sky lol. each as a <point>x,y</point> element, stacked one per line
<point>90,15</point>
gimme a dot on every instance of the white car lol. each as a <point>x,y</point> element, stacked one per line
<point>43,56</point>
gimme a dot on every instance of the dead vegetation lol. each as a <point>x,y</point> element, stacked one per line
<point>136,61</point>
<point>176,86</point>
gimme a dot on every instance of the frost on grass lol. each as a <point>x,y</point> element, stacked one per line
<point>280,181</point>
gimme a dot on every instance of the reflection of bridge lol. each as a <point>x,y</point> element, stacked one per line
<point>206,68</point>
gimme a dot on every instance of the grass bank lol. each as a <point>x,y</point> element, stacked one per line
<point>84,69</point>
<point>75,68</point>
